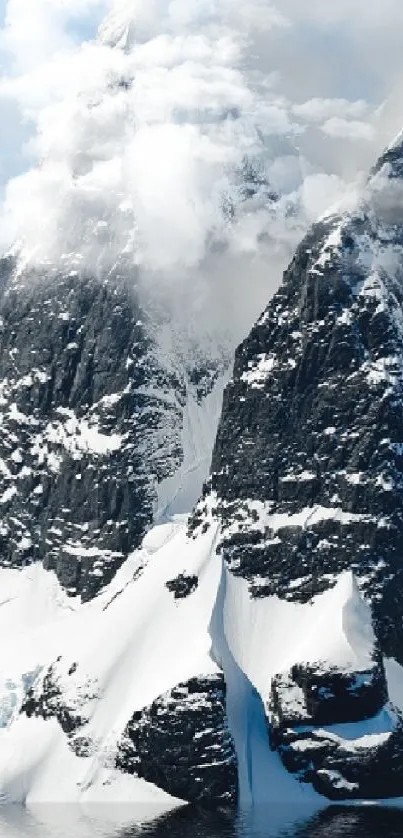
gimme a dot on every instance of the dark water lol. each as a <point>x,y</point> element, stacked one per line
<point>69,822</point>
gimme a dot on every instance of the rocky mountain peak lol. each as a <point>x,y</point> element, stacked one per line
<point>118,28</point>
<point>391,161</point>
<point>98,421</point>
<point>307,469</point>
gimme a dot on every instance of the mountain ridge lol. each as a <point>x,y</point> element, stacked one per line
<point>257,644</point>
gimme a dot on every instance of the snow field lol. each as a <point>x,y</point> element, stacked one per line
<point>135,642</point>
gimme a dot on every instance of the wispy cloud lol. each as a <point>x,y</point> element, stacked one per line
<point>138,140</point>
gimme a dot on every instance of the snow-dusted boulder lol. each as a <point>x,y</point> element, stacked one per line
<point>336,728</point>
<point>320,695</point>
<point>182,743</point>
<point>346,761</point>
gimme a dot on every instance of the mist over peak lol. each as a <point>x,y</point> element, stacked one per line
<point>171,143</point>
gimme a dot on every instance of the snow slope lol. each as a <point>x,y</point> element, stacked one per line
<point>179,493</point>
<point>135,642</point>
<point>267,636</point>
<point>131,644</point>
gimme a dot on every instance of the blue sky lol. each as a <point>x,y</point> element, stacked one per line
<point>14,131</point>
<point>86,29</point>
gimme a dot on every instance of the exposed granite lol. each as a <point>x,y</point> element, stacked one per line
<point>91,415</point>
<point>182,743</point>
<point>307,470</point>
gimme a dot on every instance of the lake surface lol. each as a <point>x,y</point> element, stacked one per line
<point>70,822</point>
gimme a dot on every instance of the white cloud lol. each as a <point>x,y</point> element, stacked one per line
<point>317,110</point>
<point>139,143</point>
<point>320,192</point>
<point>354,13</point>
<point>35,30</point>
<point>138,148</point>
<point>348,129</point>
<point>141,20</point>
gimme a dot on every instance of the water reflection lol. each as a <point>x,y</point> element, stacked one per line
<point>354,822</point>
<point>188,822</point>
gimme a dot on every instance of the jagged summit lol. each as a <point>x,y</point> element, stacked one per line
<point>118,28</point>
<point>391,161</point>
<point>113,351</point>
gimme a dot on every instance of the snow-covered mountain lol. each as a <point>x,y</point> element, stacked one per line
<point>306,487</point>
<point>102,433</point>
<point>109,411</point>
<point>156,647</point>
<point>253,652</point>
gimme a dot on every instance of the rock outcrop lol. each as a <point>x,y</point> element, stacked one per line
<point>336,730</point>
<point>182,743</point>
<point>61,694</point>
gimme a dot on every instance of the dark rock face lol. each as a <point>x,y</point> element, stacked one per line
<point>183,586</point>
<point>91,419</point>
<point>182,744</point>
<point>308,465</point>
<point>315,695</point>
<point>338,765</point>
<point>340,770</point>
<point>310,720</point>
<point>60,695</point>
<point>48,704</point>
<point>307,478</point>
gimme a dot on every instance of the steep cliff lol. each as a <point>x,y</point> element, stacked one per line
<point>307,477</point>
<point>96,422</point>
